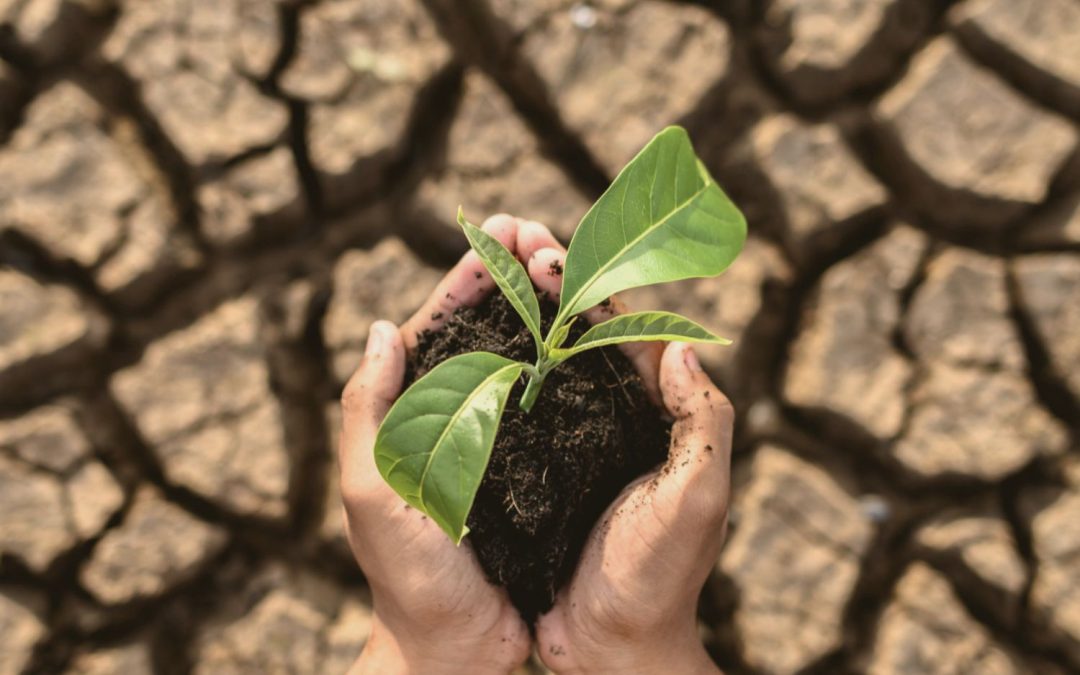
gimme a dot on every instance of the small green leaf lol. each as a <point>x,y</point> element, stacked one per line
<point>560,335</point>
<point>645,327</point>
<point>664,218</point>
<point>434,445</point>
<point>509,275</point>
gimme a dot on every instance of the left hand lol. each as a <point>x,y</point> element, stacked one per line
<point>434,611</point>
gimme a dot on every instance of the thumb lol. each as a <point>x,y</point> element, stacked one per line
<point>698,465</point>
<point>367,398</point>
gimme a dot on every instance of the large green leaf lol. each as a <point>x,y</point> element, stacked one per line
<point>508,273</point>
<point>664,218</point>
<point>434,444</point>
<point>644,327</point>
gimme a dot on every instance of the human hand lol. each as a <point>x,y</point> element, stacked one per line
<point>434,611</point>
<point>631,604</point>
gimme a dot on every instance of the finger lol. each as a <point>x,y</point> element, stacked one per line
<point>546,270</point>
<point>467,283</point>
<point>698,465</point>
<point>532,236</point>
<point>367,398</point>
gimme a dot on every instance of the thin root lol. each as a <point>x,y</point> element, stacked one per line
<point>513,502</point>
<point>618,379</point>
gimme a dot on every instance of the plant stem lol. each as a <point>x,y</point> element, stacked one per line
<point>537,373</point>
<point>532,390</point>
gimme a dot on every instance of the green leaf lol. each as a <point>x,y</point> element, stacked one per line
<point>664,218</point>
<point>645,327</point>
<point>435,442</point>
<point>559,337</point>
<point>509,275</point>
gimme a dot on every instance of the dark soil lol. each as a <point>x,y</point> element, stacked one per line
<point>552,471</point>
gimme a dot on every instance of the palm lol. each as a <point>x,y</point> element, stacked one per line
<point>637,554</point>
<point>443,578</point>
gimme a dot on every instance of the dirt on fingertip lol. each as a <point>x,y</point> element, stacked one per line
<point>553,471</point>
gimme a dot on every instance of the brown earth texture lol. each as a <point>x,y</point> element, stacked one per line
<point>205,203</point>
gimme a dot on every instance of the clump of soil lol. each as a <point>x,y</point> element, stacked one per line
<point>552,471</point>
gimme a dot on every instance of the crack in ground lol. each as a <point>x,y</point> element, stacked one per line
<point>119,94</point>
<point>1035,85</point>
<point>481,39</point>
<point>747,19</point>
<point>1041,474</point>
<point>289,24</point>
<point>1051,390</point>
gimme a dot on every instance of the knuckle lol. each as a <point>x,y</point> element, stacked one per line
<point>470,258</point>
<point>357,495</point>
<point>353,495</point>
<point>535,229</point>
<point>714,513</point>
<point>499,220</point>
<point>720,406</point>
<point>354,396</point>
<point>709,505</point>
<point>499,223</point>
<point>703,494</point>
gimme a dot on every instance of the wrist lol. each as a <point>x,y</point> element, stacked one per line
<point>676,649</point>
<point>400,652</point>
<point>647,660</point>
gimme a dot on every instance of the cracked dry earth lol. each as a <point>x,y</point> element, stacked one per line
<point>204,205</point>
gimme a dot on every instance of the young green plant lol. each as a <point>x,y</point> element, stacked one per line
<point>662,219</point>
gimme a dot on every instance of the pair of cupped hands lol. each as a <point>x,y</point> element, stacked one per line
<point>630,606</point>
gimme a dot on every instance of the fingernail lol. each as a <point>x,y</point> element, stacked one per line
<point>375,340</point>
<point>691,360</point>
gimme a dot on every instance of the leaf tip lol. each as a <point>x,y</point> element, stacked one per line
<point>674,130</point>
<point>461,216</point>
<point>715,339</point>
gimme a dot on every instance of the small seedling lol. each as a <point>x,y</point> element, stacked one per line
<point>663,219</point>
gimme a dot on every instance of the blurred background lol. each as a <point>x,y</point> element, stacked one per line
<point>205,203</point>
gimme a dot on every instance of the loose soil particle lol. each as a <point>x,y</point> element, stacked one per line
<point>552,471</point>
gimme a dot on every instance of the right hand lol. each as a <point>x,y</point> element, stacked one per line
<point>631,604</point>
